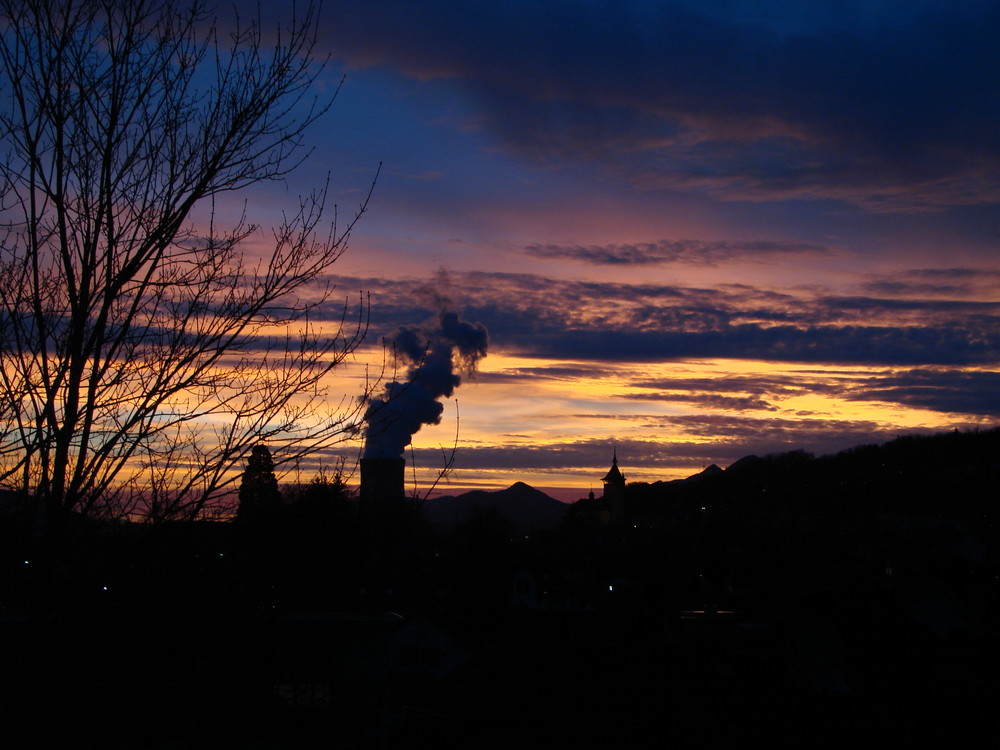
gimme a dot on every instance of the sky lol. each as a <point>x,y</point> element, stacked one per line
<point>694,230</point>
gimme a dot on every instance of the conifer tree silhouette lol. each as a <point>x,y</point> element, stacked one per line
<point>259,494</point>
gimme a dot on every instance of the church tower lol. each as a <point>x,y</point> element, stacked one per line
<point>614,492</point>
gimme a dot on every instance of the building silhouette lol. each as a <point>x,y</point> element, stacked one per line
<point>614,493</point>
<point>607,510</point>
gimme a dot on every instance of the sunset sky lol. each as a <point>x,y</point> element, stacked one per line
<point>694,230</point>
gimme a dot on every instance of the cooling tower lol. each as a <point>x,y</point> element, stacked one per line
<point>382,482</point>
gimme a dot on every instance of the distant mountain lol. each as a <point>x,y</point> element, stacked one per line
<point>525,507</point>
<point>711,471</point>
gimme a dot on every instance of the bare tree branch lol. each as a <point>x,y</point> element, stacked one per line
<point>142,354</point>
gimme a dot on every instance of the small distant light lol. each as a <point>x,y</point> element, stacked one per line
<point>104,588</point>
<point>611,588</point>
<point>222,554</point>
<point>27,563</point>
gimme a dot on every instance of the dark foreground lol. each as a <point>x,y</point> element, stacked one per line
<point>799,602</point>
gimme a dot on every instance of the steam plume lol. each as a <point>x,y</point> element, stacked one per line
<point>437,356</point>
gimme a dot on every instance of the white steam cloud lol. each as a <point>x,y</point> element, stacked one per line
<point>437,356</point>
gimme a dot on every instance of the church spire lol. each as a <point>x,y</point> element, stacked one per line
<point>614,475</point>
<point>614,492</point>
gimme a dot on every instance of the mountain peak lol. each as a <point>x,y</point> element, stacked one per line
<point>527,507</point>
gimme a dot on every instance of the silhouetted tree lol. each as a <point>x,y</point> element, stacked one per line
<point>316,541</point>
<point>326,489</point>
<point>141,353</point>
<point>259,494</point>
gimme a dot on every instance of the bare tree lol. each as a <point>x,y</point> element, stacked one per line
<point>142,354</point>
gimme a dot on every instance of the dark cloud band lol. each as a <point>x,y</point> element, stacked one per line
<point>690,252</point>
<point>541,317</point>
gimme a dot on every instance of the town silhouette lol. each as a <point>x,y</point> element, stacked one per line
<point>791,598</point>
